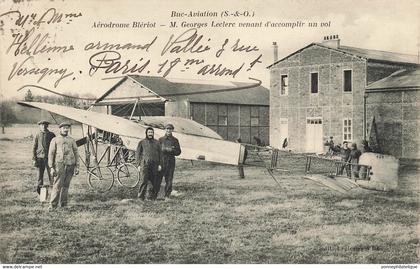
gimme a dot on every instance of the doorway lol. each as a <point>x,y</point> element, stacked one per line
<point>314,135</point>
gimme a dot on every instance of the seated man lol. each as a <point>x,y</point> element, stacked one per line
<point>258,141</point>
<point>330,145</point>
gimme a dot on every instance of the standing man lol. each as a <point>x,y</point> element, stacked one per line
<point>355,154</point>
<point>40,152</point>
<point>170,149</point>
<point>64,163</point>
<point>148,157</point>
<point>345,155</point>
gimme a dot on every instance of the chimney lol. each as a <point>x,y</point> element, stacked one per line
<point>276,51</point>
<point>332,41</point>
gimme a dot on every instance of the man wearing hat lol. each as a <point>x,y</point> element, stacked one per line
<point>40,152</point>
<point>64,162</point>
<point>345,155</point>
<point>330,145</point>
<point>148,160</point>
<point>170,149</point>
<point>354,160</point>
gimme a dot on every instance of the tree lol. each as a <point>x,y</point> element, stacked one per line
<point>29,96</point>
<point>7,115</point>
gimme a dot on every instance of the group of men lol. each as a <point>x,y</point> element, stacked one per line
<point>59,157</point>
<point>350,158</point>
<point>156,160</point>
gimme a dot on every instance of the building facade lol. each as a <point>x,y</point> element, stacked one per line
<point>319,91</point>
<point>234,110</point>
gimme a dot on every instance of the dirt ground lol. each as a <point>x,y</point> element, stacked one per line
<point>217,218</point>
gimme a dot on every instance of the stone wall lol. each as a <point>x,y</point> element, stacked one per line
<point>397,119</point>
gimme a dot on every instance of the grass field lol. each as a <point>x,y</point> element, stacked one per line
<point>218,218</point>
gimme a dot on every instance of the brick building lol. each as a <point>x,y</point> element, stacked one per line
<point>320,91</point>
<point>394,101</point>
<point>221,106</point>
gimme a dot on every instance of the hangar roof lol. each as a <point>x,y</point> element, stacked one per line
<point>200,91</point>
<point>403,79</point>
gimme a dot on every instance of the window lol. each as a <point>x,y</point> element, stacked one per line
<point>222,116</point>
<point>254,121</point>
<point>284,87</point>
<point>223,120</point>
<point>347,129</point>
<point>347,81</point>
<point>198,113</point>
<point>313,121</point>
<point>314,82</point>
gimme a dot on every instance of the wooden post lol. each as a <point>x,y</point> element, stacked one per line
<point>241,171</point>
<point>365,96</point>
<point>274,158</point>
<point>309,164</point>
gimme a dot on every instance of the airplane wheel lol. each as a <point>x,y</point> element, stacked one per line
<point>101,179</point>
<point>128,175</point>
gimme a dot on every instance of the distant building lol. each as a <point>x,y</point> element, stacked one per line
<point>233,114</point>
<point>395,103</point>
<point>326,89</point>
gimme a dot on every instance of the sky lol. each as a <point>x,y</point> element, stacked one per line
<point>382,25</point>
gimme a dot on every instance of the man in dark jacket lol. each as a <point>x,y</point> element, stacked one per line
<point>40,152</point>
<point>148,158</point>
<point>355,154</point>
<point>170,149</point>
<point>345,155</point>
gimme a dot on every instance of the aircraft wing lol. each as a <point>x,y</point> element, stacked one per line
<point>183,125</point>
<point>340,184</point>
<point>193,147</point>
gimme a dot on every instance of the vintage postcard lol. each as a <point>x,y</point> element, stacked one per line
<point>209,132</point>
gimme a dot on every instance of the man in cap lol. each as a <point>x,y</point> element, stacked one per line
<point>64,162</point>
<point>40,152</point>
<point>148,160</point>
<point>345,155</point>
<point>170,149</point>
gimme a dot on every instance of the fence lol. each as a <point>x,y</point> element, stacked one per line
<point>301,163</point>
<point>333,167</point>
